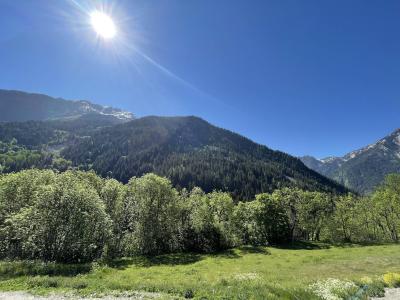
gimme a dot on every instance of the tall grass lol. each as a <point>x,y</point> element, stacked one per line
<point>242,273</point>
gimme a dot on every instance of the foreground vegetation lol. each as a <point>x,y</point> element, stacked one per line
<point>77,232</point>
<point>242,273</point>
<point>79,217</point>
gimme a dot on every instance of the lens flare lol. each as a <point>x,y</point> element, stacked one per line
<point>103,25</point>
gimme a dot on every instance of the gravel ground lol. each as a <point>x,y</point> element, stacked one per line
<point>27,296</point>
<point>390,294</point>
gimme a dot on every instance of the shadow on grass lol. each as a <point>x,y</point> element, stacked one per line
<point>173,259</point>
<point>307,245</point>
<point>254,250</point>
<point>302,245</point>
<point>230,254</point>
<point>149,261</point>
<point>360,244</point>
<point>12,269</point>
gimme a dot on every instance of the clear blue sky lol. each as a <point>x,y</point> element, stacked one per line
<point>306,77</point>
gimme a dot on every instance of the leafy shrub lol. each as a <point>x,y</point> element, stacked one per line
<point>66,222</point>
<point>152,213</point>
<point>209,222</point>
<point>376,289</point>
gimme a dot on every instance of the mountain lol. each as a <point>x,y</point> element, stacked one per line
<point>362,170</point>
<point>22,106</point>
<point>192,152</point>
<point>44,132</point>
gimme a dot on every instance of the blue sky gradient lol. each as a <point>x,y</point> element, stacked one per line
<point>306,77</point>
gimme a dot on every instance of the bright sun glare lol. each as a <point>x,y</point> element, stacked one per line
<point>103,25</point>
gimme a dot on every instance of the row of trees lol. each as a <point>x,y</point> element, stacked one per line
<point>78,216</point>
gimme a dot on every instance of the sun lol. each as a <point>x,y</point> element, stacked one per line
<point>103,25</point>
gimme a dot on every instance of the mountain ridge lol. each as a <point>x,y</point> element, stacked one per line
<point>362,169</point>
<point>39,107</point>
<point>188,150</point>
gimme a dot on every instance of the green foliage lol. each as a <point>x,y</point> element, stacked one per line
<point>18,190</point>
<point>375,218</point>
<point>14,157</point>
<point>113,194</point>
<point>78,216</point>
<point>66,222</point>
<point>153,223</point>
<point>343,221</point>
<point>376,289</point>
<point>272,219</point>
<point>387,205</point>
<point>249,222</point>
<point>208,221</point>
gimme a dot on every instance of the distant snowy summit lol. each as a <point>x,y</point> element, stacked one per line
<point>363,169</point>
<point>22,106</point>
<point>88,107</point>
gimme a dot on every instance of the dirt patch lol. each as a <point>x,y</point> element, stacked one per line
<point>390,294</point>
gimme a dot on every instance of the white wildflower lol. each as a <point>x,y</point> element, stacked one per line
<point>246,276</point>
<point>332,289</point>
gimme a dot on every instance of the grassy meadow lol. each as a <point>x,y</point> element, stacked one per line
<point>241,273</point>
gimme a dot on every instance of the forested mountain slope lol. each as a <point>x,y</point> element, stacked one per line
<point>192,152</point>
<point>37,144</point>
<point>362,170</point>
<point>44,132</point>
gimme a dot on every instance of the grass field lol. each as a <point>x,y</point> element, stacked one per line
<point>242,273</point>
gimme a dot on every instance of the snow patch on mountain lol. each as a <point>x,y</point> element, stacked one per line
<point>88,107</point>
<point>396,139</point>
<point>327,159</point>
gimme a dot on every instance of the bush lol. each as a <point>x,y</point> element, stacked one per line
<point>67,222</point>
<point>17,190</point>
<point>209,225</point>
<point>152,214</point>
<point>376,289</point>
